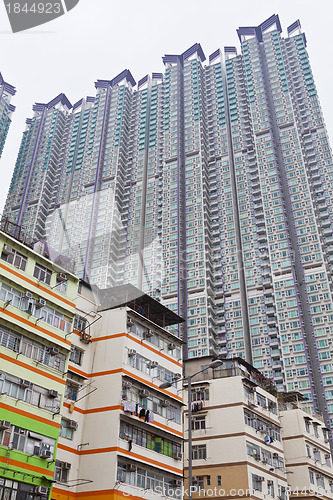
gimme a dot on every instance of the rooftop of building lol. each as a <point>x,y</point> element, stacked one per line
<point>231,367</point>
<point>129,296</point>
<point>16,233</point>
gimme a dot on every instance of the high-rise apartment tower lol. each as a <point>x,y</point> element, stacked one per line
<point>208,186</point>
<point>6,110</point>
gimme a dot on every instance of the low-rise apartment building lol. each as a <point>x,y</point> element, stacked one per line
<point>121,434</point>
<point>37,306</point>
<point>250,441</point>
<point>306,449</point>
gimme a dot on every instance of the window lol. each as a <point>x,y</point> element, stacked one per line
<point>80,323</point>
<point>13,257</point>
<point>208,481</point>
<point>26,441</point>
<point>149,440</point>
<point>24,390</point>
<point>199,481</point>
<point>54,318</point>
<point>198,423</point>
<point>61,471</point>
<point>307,425</point>
<point>71,390</point>
<point>320,481</point>
<point>311,476</point>
<point>200,394</point>
<point>65,429</point>
<point>147,478</point>
<point>199,452</point>
<point>270,488</point>
<point>31,349</point>
<point>257,482</point>
<point>10,489</point>
<point>282,493</point>
<point>315,429</point>
<point>328,460</point>
<point>31,306</point>
<point>261,400</point>
<point>219,480</point>
<point>42,274</point>
<point>145,365</point>
<point>76,355</point>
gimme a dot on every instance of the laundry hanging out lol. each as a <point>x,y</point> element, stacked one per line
<point>134,409</point>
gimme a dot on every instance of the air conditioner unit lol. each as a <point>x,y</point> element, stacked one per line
<point>25,384</point>
<point>53,351</point>
<point>197,389</point>
<point>73,425</point>
<point>275,455</point>
<point>67,466</point>
<point>148,334</point>
<point>45,454</point>
<point>85,337</point>
<point>177,376</point>
<point>130,323</point>
<point>52,393</point>
<point>4,424</point>
<point>144,392</point>
<point>171,346</point>
<point>42,490</point>
<point>165,403</point>
<point>7,250</point>
<point>177,455</point>
<point>130,468</point>
<point>28,295</point>
<point>61,277</point>
<point>127,385</point>
<point>260,478</point>
<point>153,364</point>
<point>131,352</point>
<point>40,303</point>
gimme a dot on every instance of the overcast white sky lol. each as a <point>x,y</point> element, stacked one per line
<point>100,38</point>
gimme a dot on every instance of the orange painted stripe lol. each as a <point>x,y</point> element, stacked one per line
<point>23,413</point>
<point>37,285</point>
<point>92,494</point>
<point>118,407</point>
<point>37,327</point>
<point>32,368</point>
<point>107,372</point>
<point>79,410</point>
<point>135,339</point>
<point>156,351</point>
<point>150,384</point>
<point>24,465</point>
<point>112,449</point>
<point>76,370</point>
<point>108,337</point>
<point>68,448</point>
<point>94,410</point>
<point>139,379</point>
<point>149,460</point>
